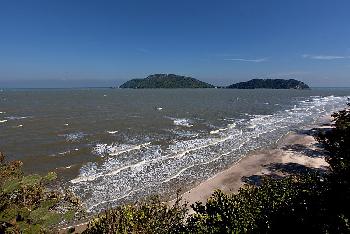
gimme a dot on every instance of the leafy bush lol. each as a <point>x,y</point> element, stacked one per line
<point>27,204</point>
<point>153,216</point>
<point>278,205</point>
<point>337,143</point>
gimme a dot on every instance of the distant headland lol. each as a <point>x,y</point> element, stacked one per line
<point>269,84</point>
<point>165,81</point>
<point>171,81</point>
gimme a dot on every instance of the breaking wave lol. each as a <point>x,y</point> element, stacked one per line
<point>131,171</point>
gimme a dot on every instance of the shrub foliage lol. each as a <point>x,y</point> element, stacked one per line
<point>152,216</point>
<point>29,204</point>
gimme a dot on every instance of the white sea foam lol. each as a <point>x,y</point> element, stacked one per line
<point>112,132</point>
<point>219,130</point>
<point>3,121</point>
<point>64,152</point>
<point>142,169</point>
<point>116,149</point>
<point>183,122</point>
<point>17,117</point>
<point>75,136</point>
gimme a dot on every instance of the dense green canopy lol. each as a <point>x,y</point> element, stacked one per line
<point>269,84</point>
<point>165,81</point>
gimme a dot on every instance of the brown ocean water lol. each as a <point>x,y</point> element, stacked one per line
<point>112,146</point>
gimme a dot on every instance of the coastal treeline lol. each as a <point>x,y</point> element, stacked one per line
<point>311,202</point>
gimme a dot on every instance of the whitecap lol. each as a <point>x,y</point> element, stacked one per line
<point>183,133</point>
<point>141,171</point>
<point>75,136</point>
<point>218,131</point>
<point>3,121</point>
<point>116,149</point>
<point>214,131</point>
<point>183,122</point>
<point>16,117</point>
<point>230,126</point>
<point>112,132</point>
<point>64,152</point>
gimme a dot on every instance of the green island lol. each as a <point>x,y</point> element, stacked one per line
<point>172,81</point>
<point>269,84</point>
<point>308,202</point>
<point>165,81</point>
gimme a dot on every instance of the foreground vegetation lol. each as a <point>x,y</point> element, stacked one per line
<point>30,204</point>
<point>299,203</point>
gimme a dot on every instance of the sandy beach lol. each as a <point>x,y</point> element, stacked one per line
<point>297,152</point>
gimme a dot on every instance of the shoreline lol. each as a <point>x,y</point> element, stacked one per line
<point>296,148</point>
<point>294,152</point>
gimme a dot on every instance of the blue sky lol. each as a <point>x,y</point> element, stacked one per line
<point>87,43</point>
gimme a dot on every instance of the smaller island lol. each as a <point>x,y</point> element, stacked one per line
<point>165,81</point>
<point>269,84</point>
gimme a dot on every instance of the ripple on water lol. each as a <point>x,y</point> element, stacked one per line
<point>130,171</point>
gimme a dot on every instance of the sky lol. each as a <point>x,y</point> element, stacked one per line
<point>72,43</point>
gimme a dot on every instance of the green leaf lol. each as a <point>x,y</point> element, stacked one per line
<point>37,214</point>
<point>8,214</point>
<point>51,176</point>
<point>31,180</point>
<point>69,215</point>
<point>33,229</point>
<point>51,218</point>
<point>45,217</point>
<point>11,185</point>
<point>47,204</point>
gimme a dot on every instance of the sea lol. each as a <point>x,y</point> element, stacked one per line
<point>114,146</point>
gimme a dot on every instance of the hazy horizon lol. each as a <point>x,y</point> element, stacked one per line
<point>98,83</point>
<point>92,43</point>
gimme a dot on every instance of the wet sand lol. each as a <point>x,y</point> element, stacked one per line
<point>295,152</point>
